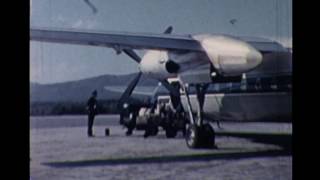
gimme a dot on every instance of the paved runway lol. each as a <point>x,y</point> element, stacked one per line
<point>60,149</point>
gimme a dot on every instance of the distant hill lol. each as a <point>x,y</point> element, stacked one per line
<point>80,90</point>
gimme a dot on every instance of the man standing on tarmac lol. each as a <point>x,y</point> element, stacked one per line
<point>92,111</point>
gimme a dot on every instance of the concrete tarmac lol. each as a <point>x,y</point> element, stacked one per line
<point>60,149</point>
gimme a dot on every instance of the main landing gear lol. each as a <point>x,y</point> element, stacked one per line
<point>198,133</point>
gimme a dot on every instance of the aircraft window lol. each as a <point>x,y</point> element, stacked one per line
<point>217,87</point>
<point>223,87</point>
<point>235,87</point>
<point>211,88</point>
<point>251,81</point>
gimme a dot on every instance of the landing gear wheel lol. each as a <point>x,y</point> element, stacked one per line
<point>151,131</point>
<point>171,132</point>
<point>208,136</point>
<point>155,131</point>
<point>200,137</point>
<point>129,132</point>
<point>192,136</point>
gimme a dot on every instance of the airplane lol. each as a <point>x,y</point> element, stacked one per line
<point>194,60</point>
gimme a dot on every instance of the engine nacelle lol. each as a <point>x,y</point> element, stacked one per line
<point>157,64</point>
<point>229,56</point>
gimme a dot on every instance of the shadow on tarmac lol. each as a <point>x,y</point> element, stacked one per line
<point>168,159</point>
<point>282,140</point>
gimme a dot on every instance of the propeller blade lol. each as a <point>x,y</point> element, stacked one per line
<point>125,96</point>
<point>132,54</point>
<point>174,95</point>
<point>170,88</point>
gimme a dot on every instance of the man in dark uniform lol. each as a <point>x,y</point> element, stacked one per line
<point>92,110</point>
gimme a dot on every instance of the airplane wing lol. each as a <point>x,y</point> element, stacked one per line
<point>124,40</point>
<point>263,45</point>
<point>116,39</point>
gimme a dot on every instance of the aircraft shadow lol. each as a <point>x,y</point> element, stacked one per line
<point>282,140</point>
<point>168,159</point>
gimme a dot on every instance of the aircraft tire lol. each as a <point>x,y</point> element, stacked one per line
<point>207,136</point>
<point>155,131</point>
<point>193,136</point>
<point>200,137</point>
<point>152,131</point>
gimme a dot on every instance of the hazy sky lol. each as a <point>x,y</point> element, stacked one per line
<point>51,62</point>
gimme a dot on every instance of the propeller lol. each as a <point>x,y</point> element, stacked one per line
<point>132,54</point>
<point>127,93</point>
<point>129,89</point>
<point>170,88</point>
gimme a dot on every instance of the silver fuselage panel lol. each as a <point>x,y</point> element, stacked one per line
<point>270,106</point>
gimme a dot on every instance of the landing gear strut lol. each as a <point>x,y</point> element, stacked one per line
<point>198,134</point>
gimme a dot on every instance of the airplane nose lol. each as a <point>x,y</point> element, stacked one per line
<point>254,58</point>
